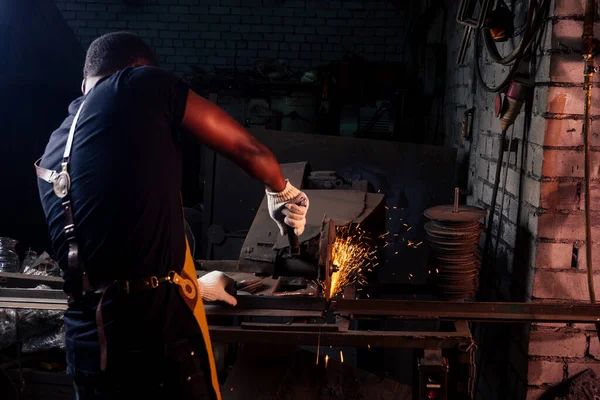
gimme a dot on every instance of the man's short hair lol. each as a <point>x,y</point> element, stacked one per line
<point>114,51</point>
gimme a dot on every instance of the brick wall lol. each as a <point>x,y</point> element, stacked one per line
<point>541,253</point>
<point>502,357</point>
<point>556,351</point>
<point>219,33</point>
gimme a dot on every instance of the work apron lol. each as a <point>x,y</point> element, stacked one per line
<point>190,290</point>
<point>186,280</point>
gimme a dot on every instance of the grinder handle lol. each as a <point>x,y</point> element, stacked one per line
<point>292,237</point>
<point>294,241</point>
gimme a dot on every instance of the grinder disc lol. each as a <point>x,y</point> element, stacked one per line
<point>447,214</point>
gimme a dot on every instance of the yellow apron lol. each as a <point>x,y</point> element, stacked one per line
<point>190,290</point>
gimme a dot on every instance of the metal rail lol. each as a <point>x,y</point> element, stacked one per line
<point>408,309</point>
<point>485,311</point>
<point>354,338</point>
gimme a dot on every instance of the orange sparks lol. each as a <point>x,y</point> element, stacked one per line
<point>341,357</point>
<point>413,244</point>
<point>352,252</point>
<point>326,360</point>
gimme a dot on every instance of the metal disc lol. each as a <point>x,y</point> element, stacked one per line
<point>447,214</point>
<point>465,240</point>
<point>62,184</point>
<point>444,230</point>
<point>455,259</point>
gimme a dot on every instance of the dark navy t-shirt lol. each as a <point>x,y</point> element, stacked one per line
<point>125,173</point>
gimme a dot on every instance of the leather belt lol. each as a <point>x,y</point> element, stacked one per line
<point>136,285</point>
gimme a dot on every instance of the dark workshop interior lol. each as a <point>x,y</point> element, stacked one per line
<point>450,150</point>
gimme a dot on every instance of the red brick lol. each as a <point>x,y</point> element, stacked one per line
<point>563,132</point>
<point>561,195</point>
<point>569,100</point>
<point>567,68</point>
<point>568,195</point>
<point>541,372</point>
<point>575,368</point>
<point>585,327</point>
<point>569,7</point>
<point>566,226</point>
<point>567,163</point>
<point>561,285</point>
<point>568,132</point>
<point>549,325</point>
<point>557,344</point>
<point>553,255</point>
<point>568,32</point>
<point>594,346</point>
<point>582,257</point>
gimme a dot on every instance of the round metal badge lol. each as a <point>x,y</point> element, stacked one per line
<point>62,184</point>
<point>189,289</point>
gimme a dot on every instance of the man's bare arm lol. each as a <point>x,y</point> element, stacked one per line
<point>214,128</point>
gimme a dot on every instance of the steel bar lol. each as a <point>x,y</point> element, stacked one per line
<point>296,327</point>
<point>282,303</point>
<point>390,339</point>
<point>38,304</point>
<point>227,311</point>
<point>32,294</point>
<point>488,311</point>
<point>19,280</point>
<point>312,307</point>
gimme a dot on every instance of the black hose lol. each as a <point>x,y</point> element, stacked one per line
<point>490,221</point>
<point>507,79</point>
<point>510,139</point>
<point>517,56</point>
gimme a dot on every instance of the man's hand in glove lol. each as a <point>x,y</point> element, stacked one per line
<point>288,208</point>
<point>213,287</point>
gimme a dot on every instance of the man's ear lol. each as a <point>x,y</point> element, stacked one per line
<point>83,86</point>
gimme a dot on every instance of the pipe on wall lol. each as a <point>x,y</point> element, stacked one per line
<point>588,50</point>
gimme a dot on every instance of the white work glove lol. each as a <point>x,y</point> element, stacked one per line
<point>213,285</point>
<point>288,208</point>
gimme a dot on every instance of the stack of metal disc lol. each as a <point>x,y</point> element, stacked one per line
<point>453,236</point>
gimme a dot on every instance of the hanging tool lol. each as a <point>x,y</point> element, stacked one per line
<point>507,110</point>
